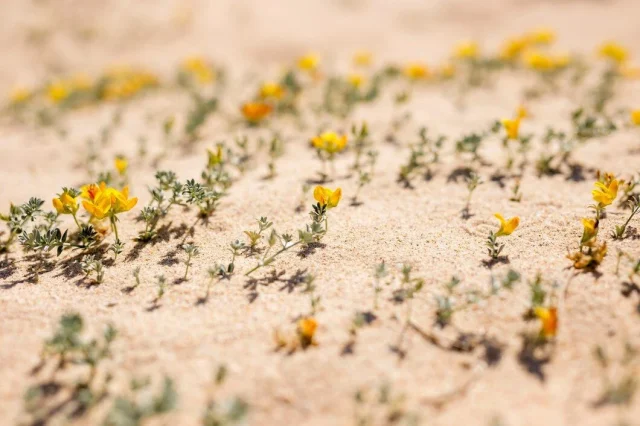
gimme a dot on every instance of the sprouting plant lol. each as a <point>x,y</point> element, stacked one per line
<point>516,195</point>
<point>136,408</point>
<point>92,265</point>
<point>18,219</point>
<point>449,303</point>
<point>69,348</point>
<point>383,406</point>
<point>381,272</point>
<point>255,236</point>
<point>363,179</point>
<point>136,276</point>
<point>312,233</point>
<point>619,376</point>
<point>276,150</point>
<point>470,144</point>
<point>424,154</point>
<point>228,413</point>
<point>191,251</point>
<point>473,181</point>
<point>360,143</point>
<point>507,226</point>
<point>202,108</point>
<point>203,197</point>
<point>310,289</point>
<point>167,193</point>
<point>634,205</point>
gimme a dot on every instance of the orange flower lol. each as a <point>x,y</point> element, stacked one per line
<point>255,112</point>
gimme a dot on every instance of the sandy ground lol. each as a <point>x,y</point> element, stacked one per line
<point>421,226</point>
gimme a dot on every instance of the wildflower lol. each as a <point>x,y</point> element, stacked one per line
<point>306,330</point>
<point>121,164</point>
<point>605,192</point>
<point>542,36</point>
<point>327,197</point>
<point>614,52</point>
<point>522,112</point>
<point>19,95</point>
<point>549,319</point>
<point>198,66</point>
<point>513,48</point>
<point>355,80</point>
<point>511,127</point>
<point>66,202</point>
<point>330,142</point>
<point>214,158</point>
<point>635,117</point>
<point>255,112</point>
<point>107,202</point>
<point>416,71</point>
<point>57,92</point>
<point>590,231</point>
<point>466,50</point>
<point>506,226</point>
<point>362,58</point>
<point>309,62</point>
<point>271,90</point>
<point>540,61</point>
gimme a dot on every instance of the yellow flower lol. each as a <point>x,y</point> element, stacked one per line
<point>199,67</point>
<point>255,112</point>
<point>309,62</point>
<point>327,197</point>
<point>120,201</point>
<point>506,226</point>
<point>362,58</point>
<point>511,127</point>
<point>330,142</point>
<point>57,92</point>
<point>104,201</point>
<point>522,112</point>
<point>271,90</point>
<point>121,164</point>
<point>416,71</point>
<point>542,36</point>
<point>513,48</point>
<point>613,51</point>
<point>540,61</point>
<point>605,192</point>
<point>590,230</point>
<point>635,117</point>
<point>65,203</point>
<point>91,191</point>
<point>466,50</point>
<point>549,319</point>
<point>19,95</point>
<point>355,79</point>
<point>214,158</point>
<point>307,329</point>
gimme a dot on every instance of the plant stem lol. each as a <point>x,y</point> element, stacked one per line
<point>269,260</point>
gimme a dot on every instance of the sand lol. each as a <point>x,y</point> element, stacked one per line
<point>421,226</point>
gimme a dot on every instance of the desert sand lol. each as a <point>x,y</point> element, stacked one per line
<point>421,226</point>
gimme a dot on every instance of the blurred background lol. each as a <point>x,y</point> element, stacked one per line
<point>41,38</point>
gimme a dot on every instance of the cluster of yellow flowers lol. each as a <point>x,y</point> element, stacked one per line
<point>200,69</point>
<point>126,82</point>
<point>99,200</point>
<point>549,320</point>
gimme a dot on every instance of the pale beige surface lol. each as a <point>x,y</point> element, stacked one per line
<point>421,226</point>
